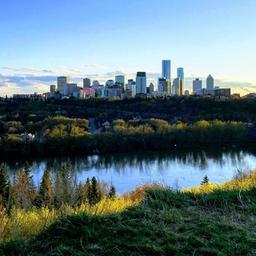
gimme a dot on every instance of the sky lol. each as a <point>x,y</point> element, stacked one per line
<point>44,38</point>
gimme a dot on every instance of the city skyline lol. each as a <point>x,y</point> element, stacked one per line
<point>207,37</point>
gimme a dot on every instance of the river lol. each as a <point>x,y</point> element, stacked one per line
<point>127,171</point>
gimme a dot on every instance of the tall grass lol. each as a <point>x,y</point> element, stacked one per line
<point>22,224</point>
<point>241,182</point>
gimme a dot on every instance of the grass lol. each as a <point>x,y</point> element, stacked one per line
<point>209,220</point>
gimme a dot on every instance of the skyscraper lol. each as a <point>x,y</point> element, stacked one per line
<point>177,88</point>
<point>210,83</point>
<point>151,88</point>
<point>141,83</point>
<point>120,80</point>
<point>132,87</point>
<point>86,83</point>
<point>166,69</point>
<point>180,73</point>
<point>61,81</point>
<point>162,86</point>
<point>197,86</point>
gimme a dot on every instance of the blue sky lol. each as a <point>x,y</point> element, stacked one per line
<point>44,38</point>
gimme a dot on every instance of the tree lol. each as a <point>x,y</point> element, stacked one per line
<point>4,186</point>
<point>94,195</point>
<point>45,197</point>
<point>23,191</point>
<point>205,180</point>
<point>112,192</point>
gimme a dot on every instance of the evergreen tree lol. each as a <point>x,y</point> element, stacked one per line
<point>4,186</point>
<point>45,197</point>
<point>112,192</point>
<point>94,196</point>
<point>23,192</point>
<point>205,180</point>
<point>87,190</point>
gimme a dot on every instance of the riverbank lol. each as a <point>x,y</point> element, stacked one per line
<point>209,220</point>
<point>60,138</point>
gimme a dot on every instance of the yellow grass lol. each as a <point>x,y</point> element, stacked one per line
<point>25,224</point>
<point>245,183</point>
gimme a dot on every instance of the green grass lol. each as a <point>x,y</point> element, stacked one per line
<point>165,223</point>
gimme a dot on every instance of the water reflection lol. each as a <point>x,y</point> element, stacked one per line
<point>126,171</point>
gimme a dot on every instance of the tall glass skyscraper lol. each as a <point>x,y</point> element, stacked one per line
<point>120,80</point>
<point>166,69</point>
<point>141,83</point>
<point>210,83</point>
<point>180,73</point>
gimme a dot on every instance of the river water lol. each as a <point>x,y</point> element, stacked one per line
<point>127,171</point>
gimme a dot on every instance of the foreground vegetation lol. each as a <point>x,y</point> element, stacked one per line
<point>208,220</point>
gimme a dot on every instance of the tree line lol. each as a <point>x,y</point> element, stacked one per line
<point>66,136</point>
<point>53,192</point>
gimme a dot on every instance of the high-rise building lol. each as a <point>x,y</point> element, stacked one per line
<point>177,87</point>
<point>151,88</point>
<point>166,69</point>
<point>61,81</point>
<point>53,88</point>
<point>141,83</point>
<point>180,73</point>
<point>69,89</point>
<point>95,83</point>
<point>162,87</point>
<point>110,83</point>
<point>181,87</point>
<point>120,80</point>
<point>210,83</point>
<point>131,86</point>
<point>86,83</point>
<point>197,86</point>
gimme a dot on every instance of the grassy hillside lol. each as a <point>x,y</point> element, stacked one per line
<point>210,220</point>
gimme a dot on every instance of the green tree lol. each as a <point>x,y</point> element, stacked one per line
<point>205,180</point>
<point>45,197</point>
<point>112,192</point>
<point>94,195</point>
<point>23,193</point>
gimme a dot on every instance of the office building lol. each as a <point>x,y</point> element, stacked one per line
<point>162,87</point>
<point>222,92</point>
<point>180,73</point>
<point>53,88</point>
<point>95,83</point>
<point>210,83</point>
<point>110,83</point>
<point>141,83</point>
<point>61,81</point>
<point>166,69</point>
<point>177,88</point>
<point>120,80</point>
<point>131,86</point>
<point>197,86</point>
<point>69,89</point>
<point>89,92</point>
<point>151,89</point>
<point>181,87</point>
<point>86,83</point>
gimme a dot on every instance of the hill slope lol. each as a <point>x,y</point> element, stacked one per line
<point>221,222</point>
